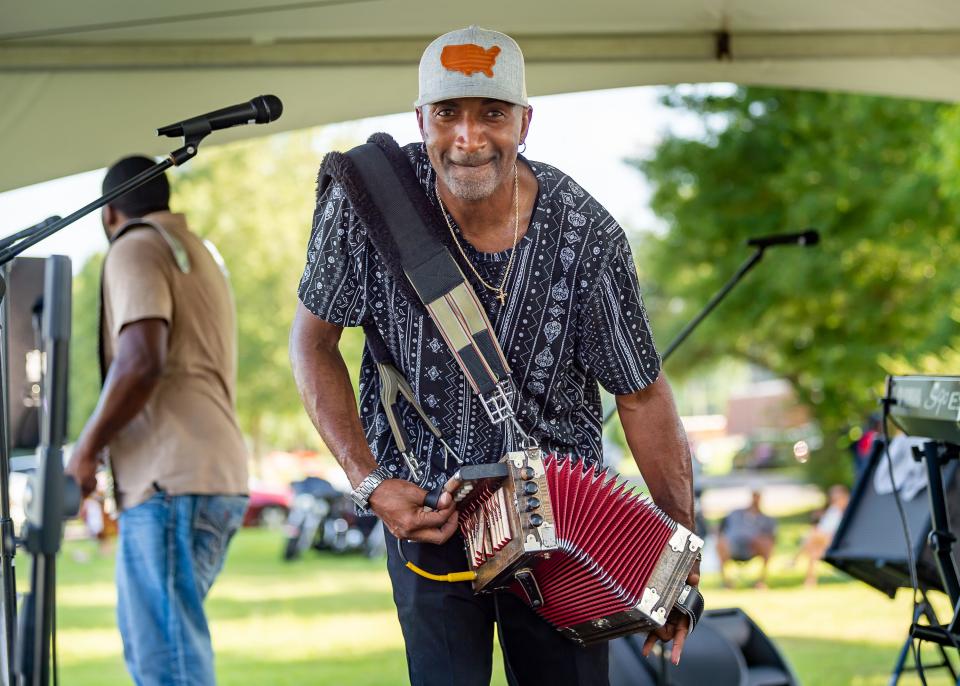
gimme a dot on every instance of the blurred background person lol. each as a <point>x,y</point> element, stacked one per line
<point>745,534</point>
<point>818,539</point>
<point>167,414</point>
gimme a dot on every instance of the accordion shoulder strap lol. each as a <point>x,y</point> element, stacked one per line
<point>401,223</point>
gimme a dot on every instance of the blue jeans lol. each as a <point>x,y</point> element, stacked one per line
<point>171,549</point>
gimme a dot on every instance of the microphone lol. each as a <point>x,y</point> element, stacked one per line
<point>808,238</point>
<point>261,110</point>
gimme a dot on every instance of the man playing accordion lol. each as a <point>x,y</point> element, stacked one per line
<point>554,275</point>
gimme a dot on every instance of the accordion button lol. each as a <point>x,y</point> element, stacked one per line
<point>536,520</point>
<point>530,488</point>
<point>532,504</point>
<point>527,473</point>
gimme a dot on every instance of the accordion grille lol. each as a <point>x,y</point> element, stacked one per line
<point>609,541</point>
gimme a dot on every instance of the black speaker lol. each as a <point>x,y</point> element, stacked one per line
<point>726,649</point>
<point>24,304</point>
<point>869,544</point>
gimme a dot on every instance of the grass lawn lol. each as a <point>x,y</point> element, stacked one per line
<point>330,620</point>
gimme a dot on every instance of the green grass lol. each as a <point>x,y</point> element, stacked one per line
<point>330,620</point>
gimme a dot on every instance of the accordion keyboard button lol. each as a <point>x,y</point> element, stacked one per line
<point>532,504</point>
<point>536,520</point>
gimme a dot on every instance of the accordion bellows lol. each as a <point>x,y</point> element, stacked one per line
<point>592,557</point>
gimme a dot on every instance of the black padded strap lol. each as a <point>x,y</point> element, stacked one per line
<point>390,201</point>
<point>378,349</point>
<point>427,263</point>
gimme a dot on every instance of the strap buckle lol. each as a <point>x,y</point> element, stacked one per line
<point>411,461</point>
<point>498,403</point>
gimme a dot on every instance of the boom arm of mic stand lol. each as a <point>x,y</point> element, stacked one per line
<point>749,264</point>
<point>176,158</point>
<point>7,241</point>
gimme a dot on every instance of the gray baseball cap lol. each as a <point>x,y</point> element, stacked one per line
<point>472,63</point>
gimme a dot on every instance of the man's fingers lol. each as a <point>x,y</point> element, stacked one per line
<point>450,527</point>
<point>438,536</point>
<point>649,643</point>
<point>433,519</point>
<point>679,639</point>
<point>422,521</point>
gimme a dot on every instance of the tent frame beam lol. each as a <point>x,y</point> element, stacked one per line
<point>636,47</point>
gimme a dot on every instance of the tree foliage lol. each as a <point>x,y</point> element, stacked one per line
<point>84,360</point>
<point>871,174</point>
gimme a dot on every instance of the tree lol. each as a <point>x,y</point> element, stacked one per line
<point>84,355</point>
<point>863,171</point>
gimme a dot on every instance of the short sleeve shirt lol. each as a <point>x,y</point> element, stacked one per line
<point>186,439</point>
<point>573,319</point>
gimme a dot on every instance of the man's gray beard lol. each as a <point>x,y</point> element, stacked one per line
<point>473,188</point>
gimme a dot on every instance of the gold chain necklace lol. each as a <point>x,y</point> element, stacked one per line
<point>499,290</point>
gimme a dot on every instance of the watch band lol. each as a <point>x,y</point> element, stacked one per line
<point>361,494</point>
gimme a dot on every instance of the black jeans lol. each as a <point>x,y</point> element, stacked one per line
<point>448,630</point>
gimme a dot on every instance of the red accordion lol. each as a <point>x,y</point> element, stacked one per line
<point>590,556</point>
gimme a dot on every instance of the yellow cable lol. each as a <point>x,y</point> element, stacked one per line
<point>451,577</point>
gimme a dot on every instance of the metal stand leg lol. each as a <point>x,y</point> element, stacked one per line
<point>932,618</point>
<point>905,650</point>
<point>923,610</point>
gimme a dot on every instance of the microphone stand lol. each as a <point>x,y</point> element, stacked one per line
<point>747,265</point>
<point>7,241</point>
<point>176,158</point>
<point>51,493</point>
<point>51,496</point>
<point>8,547</point>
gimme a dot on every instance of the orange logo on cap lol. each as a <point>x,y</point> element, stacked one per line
<point>468,59</point>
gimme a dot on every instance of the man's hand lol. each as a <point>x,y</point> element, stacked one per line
<point>399,504</point>
<point>83,468</point>
<point>677,627</point>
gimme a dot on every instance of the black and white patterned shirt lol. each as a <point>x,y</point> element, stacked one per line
<point>573,317</point>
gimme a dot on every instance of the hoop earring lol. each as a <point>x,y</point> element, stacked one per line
<point>523,147</point>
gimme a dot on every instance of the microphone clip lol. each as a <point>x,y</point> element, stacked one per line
<point>194,131</point>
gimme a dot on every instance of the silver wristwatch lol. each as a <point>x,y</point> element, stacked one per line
<point>361,494</point>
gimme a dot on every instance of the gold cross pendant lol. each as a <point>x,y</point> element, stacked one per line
<point>502,297</point>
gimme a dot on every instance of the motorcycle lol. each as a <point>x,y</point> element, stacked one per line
<point>324,518</point>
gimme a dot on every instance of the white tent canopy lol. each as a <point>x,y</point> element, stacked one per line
<point>84,82</point>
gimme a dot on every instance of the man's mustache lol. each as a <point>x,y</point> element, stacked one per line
<point>471,160</point>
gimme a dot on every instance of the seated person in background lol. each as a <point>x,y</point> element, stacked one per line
<point>816,542</point>
<point>745,534</point>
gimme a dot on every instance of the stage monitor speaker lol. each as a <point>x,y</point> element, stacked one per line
<point>24,303</point>
<point>869,544</point>
<point>726,649</point>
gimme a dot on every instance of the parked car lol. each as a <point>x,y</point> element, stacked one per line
<point>268,507</point>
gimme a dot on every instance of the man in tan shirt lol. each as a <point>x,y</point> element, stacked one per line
<point>166,413</point>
